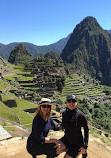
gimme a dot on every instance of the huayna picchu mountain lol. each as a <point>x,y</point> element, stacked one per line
<point>19,54</point>
<point>89,50</point>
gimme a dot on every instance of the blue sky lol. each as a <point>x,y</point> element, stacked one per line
<point>44,22</point>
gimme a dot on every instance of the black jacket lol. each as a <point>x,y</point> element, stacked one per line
<point>72,122</point>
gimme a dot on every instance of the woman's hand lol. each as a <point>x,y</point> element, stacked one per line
<point>60,146</point>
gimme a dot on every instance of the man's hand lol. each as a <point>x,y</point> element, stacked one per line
<point>82,151</point>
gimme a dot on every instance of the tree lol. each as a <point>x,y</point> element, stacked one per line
<point>53,55</point>
<point>60,82</point>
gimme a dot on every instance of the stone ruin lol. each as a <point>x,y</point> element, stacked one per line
<point>10,103</point>
<point>31,110</point>
<point>0,96</point>
<point>44,78</point>
<point>56,118</point>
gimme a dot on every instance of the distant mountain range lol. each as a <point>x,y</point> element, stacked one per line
<point>58,46</point>
<point>109,31</point>
<point>89,50</point>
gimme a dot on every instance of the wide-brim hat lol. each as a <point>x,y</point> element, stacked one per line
<point>45,101</point>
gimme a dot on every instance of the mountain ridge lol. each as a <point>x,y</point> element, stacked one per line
<point>58,46</point>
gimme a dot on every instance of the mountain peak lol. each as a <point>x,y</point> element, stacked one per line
<point>89,19</point>
<point>89,49</point>
<point>88,24</point>
<point>19,53</point>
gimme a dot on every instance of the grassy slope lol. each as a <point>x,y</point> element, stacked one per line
<point>22,104</point>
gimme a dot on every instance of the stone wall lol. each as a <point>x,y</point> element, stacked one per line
<point>10,103</point>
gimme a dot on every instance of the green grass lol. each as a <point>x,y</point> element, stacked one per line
<point>104,139</point>
<point>8,127</point>
<point>31,88</point>
<point>21,105</point>
<point>3,86</point>
<point>27,84</point>
<point>24,104</point>
<point>6,113</point>
<point>23,116</point>
<point>12,77</point>
<point>1,81</point>
<point>26,78</point>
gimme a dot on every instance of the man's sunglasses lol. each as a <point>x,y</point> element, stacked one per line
<point>71,100</point>
<point>48,106</point>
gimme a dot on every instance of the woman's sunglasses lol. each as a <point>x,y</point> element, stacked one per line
<point>48,106</point>
<point>71,100</point>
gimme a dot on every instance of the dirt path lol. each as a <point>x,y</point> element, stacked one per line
<point>16,148</point>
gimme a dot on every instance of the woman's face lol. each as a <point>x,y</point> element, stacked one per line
<point>45,109</point>
<point>71,104</point>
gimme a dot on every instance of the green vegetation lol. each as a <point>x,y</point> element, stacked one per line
<point>89,50</point>
<point>82,86</point>
<point>3,85</point>
<point>19,54</point>
<point>6,113</point>
<point>60,82</point>
<point>90,95</point>
<point>95,133</point>
<point>102,111</point>
<point>53,55</point>
<point>16,113</point>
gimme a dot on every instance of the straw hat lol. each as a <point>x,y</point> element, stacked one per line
<point>45,101</point>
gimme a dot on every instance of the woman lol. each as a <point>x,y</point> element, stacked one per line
<point>72,121</point>
<point>38,143</point>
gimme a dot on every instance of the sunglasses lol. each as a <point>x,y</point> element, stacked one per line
<point>71,100</point>
<point>48,106</point>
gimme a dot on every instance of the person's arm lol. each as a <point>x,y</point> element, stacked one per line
<point>86,132</point>
<point>59,145</point>
<point>84,122</point>
<point>60,127</point>
<point>51,140</point>
<point>54,126</point>
<point>37,130</point>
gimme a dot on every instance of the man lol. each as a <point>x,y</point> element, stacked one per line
<point>72,121</point>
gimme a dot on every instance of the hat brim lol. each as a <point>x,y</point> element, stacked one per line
<point>52,106</point>
<point>71,99</point>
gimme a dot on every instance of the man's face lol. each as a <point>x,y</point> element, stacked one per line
<point>71,104</point>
